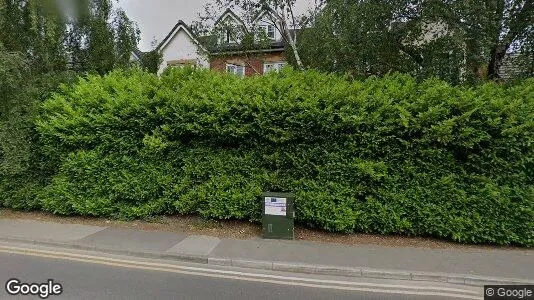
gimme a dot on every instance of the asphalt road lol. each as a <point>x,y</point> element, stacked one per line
<point>86,280</point>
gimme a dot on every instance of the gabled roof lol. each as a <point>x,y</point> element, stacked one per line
<point>260,15</point>
<point>272,46</point>
<point>179,26</point>
<point>233,49</point>
<point>138,53</point>
<point>204,42</point>
<point>230,13</point>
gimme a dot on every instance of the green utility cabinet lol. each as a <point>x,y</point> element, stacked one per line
<point>278,216</point>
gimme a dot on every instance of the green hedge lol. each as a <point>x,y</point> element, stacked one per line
<point>23,171</point>
<point>389,156</point>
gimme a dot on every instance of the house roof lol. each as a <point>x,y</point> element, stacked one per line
<point>138,53</point>
<point>272,46</point>
<point>227,49</point>
<point>260,15</point>
<point>205,42</point>
<point>179,26</point>
<point>229,12</point>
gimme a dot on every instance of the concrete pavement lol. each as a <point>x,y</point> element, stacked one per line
<point>462,266</point>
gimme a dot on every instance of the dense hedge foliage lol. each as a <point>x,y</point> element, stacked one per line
<point>388,156</point>
<point>23,172</point>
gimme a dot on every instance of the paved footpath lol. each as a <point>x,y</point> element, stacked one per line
<point>463,266</point>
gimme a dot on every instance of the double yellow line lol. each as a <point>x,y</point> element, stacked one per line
<point>459,293</point>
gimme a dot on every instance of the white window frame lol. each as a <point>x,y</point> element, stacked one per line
<point>226,37</point>
<point>273,66</point>
<point>269,27</point>
<point>265,28</point>
<point>233,69</point>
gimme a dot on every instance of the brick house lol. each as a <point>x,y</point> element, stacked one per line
<point>254,64</point>
<point>228,54</point>
<point>222,50</point>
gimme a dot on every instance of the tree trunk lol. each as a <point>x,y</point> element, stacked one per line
<point>296,54</point>
<point>497,56</point>
<point>291,40</point>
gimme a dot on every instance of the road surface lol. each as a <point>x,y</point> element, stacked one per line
<point>86,275</point>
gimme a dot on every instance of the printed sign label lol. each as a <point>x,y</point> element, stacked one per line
<point>275,206</point>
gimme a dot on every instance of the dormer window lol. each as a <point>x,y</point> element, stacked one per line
<point>228,36</point>
<point>269,30</point>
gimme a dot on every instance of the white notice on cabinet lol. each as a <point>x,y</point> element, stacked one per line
<point>275,206</point>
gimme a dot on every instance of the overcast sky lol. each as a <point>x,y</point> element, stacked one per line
<point>157,17</point>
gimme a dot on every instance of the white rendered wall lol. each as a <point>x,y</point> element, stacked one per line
<point>182,46</point>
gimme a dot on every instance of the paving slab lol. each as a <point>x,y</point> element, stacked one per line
<point>36,230</point>
<point>493,263</point>
<point>196,244</point>
<point>373,260</point>
<point>132,240</point>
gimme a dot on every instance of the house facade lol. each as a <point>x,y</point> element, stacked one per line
<point>223,50</point>
<point>267,55</point>
<point>245,66</point>
<point>182,48</point>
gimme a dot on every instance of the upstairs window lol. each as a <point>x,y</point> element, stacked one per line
<point>227,37</point>
<point>269,30</point>
<point>235,69</point>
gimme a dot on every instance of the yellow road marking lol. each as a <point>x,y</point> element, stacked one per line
<point>264,278</point>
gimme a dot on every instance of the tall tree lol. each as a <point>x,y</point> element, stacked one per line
<point>100,38</point>
<point>126,38</point>
<point>494,26</point>
<point>368,37</point>
<point>89,34</point>
<point>13,26</point>
<point>152,60</point>
<point>35,28</point>
<point>453,39</point>
<point>13,71</point>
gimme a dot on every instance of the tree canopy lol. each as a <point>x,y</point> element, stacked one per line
<point>452,39</point>
<point>88,36</point>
